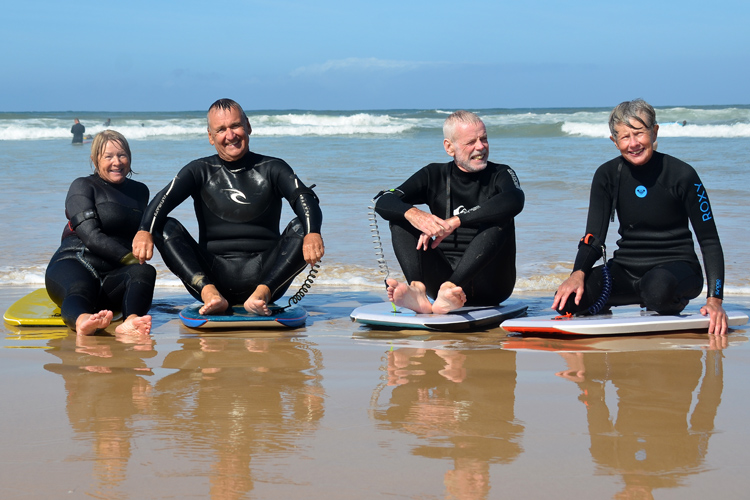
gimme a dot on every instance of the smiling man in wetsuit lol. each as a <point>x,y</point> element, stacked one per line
<point>462,252</point>
<point>240,257</point>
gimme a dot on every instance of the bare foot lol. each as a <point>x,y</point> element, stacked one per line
<point>412,296</point>
<point>213,301</point>
<point>89,324</point>
<point>257,303</point>
<point>135,325</point>
<point>449,297</point>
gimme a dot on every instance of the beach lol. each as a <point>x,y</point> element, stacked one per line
<point>338,410</point>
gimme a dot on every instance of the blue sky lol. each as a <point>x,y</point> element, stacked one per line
<point>139,55</point>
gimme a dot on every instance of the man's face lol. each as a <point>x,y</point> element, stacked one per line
<point>469,147</point>
<point>635,143</point>
<point>228,132</point>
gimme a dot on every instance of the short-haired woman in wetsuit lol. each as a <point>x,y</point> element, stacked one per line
<point>654,196</point>
<point>94,271</point>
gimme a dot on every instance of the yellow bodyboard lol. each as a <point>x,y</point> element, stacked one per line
<point>36,309</point>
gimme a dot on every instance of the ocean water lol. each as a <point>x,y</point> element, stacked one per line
<point>352,155</point>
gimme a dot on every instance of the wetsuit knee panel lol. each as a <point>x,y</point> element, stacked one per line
<point>142,273</point>
<point>172,228</point>
<point>295,229</point>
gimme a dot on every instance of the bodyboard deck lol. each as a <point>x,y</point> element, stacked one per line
<point>382,314</point>
<point>624,323</point>
<point>37,309</point>
<point>238,318</point>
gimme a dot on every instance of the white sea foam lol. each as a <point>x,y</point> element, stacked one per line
<point>601,130</point>
<point>19,130</point>
<point>730,122</point>
<point>32,275</point>
<point>315,124</point>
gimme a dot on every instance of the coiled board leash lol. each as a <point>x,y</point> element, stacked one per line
<point>594,242</point>
<point>306,285</point>
<point>377,244</point>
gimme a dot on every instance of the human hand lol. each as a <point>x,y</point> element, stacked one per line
<point>717,323</point>
<point>313,248</point>
<point>143,246</point>
<point>430,225</point>
<point>574,284</point>
<point>434,229</point>
<point>452,224</point>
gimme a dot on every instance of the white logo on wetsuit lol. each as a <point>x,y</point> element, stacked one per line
<point>462,210</point>
<point>237,196</point>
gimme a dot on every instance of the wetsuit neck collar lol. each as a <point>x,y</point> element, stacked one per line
<point>457,171</point>
<point>243,163</point>
<point>656,159</point>
<point>104,181</point>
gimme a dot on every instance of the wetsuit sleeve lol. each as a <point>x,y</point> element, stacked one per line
<point>184,184</point>
<point>394,203</point>
<point>702,219</point>
<point>81,200</point>
<point>500,208</point>
<point>301,198</point>
<point>597,223</point>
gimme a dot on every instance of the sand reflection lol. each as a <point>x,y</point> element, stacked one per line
<point>217,403</point>
<point>234,399</point>
<point>650,414</point>
<point>461,406</point>
<point>106,389</point>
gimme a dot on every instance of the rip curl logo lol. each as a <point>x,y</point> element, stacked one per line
<point>237,196</point>
<point>462,210</point>
<point>703,204</point>
<point>641,191</point>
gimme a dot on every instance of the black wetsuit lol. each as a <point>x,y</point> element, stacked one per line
<point>655,264</point>
<point>77,130</point>
<point>93,269</point>
<point>480,256</point>
<point>238,206</point>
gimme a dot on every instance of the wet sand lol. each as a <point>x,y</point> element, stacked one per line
<point>338,411</point>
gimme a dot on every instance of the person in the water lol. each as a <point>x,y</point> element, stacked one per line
<point>94,272</point>
<point>77,130</point>
<point>240,257</point>
<point>654,196</point>
<point>463,251</point>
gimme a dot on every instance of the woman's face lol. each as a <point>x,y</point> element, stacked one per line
<point>636,143</point>
<point>113,164</point>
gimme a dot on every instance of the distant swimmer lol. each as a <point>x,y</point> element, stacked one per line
<point>684,122</point>
<point>77,130</point>
<point>654,196</point>
<point>241,257</point>
<point>107,123</point>
<point>463,251</point>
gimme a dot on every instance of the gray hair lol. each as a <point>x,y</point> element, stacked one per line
<point>637,109</point>
<point>228,105</point>
<point>460,116</point>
